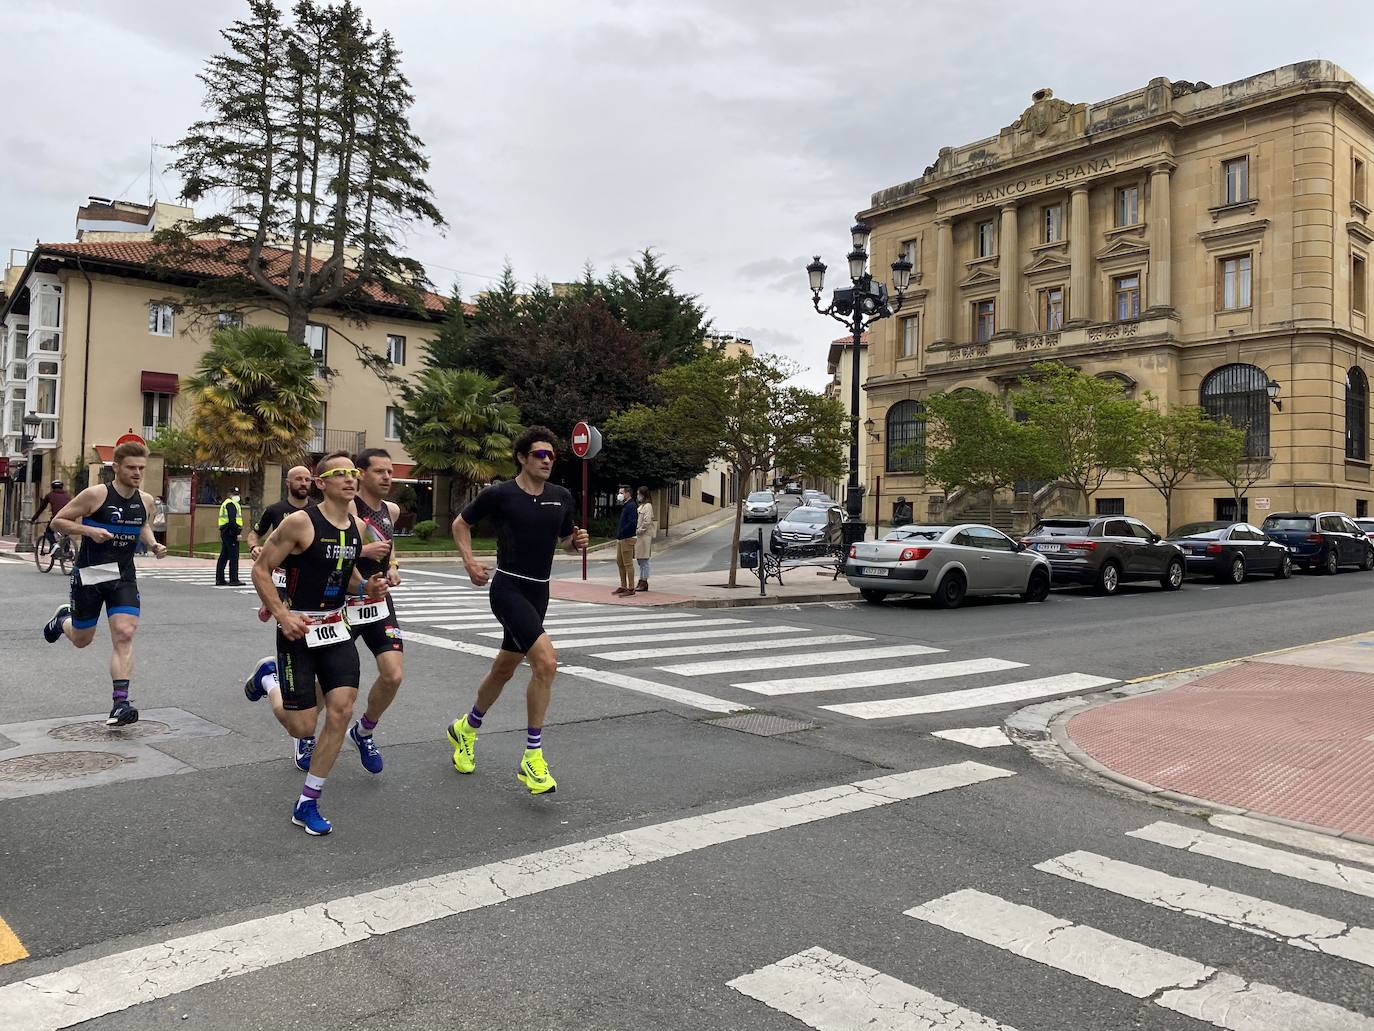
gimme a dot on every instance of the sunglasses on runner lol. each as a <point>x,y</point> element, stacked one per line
<point>543,454</point>
<point>341,471</point>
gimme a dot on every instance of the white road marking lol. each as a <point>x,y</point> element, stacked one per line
<point>454,646</point>
<point>972,698</point>
<point>792,659</point>
<point>689,635</point>
<point>1217,905</point>
<point>651,687</point>
<point>1174,982</point>
<point>872,678</point>
<point>116,982</point>
<point>975,737</point>
<point>1260,857</point>
<point>569,620</point>
<point>727,646</point>
<point>624,627</point>
<point>831,993</point>
<point>1350,851</point>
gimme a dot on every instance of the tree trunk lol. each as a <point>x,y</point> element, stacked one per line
<point>296,319</point>
<point>1168,512</point>
<point>443,508</point>
<point>739,521</point>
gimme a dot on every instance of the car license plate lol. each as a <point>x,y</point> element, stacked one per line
<point>876,571</point>
<point>1293,551</point>
<point>1047,547</point>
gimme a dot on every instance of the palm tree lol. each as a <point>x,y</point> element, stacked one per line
<point>458,423</point>
<point>253,400</point>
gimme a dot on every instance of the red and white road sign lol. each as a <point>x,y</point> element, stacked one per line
<point>581,439</point>
<point>130,437</point>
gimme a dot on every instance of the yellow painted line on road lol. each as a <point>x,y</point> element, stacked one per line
<point>11,948</point>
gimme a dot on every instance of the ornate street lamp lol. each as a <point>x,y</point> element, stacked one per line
<point>858,306</point>
<point>28,501</point>
<point>1272,388</point>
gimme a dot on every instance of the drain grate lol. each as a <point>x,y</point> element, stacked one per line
<point>41,766</point>
<point>98,731</point>
<point>762,724</point>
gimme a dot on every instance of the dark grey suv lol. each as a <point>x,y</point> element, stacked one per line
<point>1106,551</point>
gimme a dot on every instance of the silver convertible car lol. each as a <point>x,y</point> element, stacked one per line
<point>946,562</point>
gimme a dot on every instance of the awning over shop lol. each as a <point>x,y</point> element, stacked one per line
<point>158,382</point>
<point>106,451</point>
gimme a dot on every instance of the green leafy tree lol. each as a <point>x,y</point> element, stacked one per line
<point>253,399</point>
<point>449,349</point>
<point>458,424</point>
<point>1231,463</point>
<point>307,144</point>
<point>1178,442</point>
<point>1087,426</point>
<point>647,302</point>
<point>974,445</point>
<point>638,452</point>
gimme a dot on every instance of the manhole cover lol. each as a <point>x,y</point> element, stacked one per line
<point>96,731</point>
<point>764,725</point>
<point>27,769</point>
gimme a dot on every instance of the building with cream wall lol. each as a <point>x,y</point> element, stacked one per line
<point>1198,243</point>
<point>839,365</point>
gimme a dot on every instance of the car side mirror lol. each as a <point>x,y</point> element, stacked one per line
<point>1155,538</point>
<point>1020,545</point>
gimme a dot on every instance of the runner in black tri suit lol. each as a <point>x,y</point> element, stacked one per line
<point>380,632</point>
<point>318,547</point>
<point>110,519</point>
<point>298,481</point>
<point>532,516</point>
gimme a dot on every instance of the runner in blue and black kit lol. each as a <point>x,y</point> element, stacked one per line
<point>110,519</point>
<point>532,517</point>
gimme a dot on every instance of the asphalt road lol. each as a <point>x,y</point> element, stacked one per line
<point>476,906</point>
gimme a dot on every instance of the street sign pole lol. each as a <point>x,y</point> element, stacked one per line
<point>586,445</point>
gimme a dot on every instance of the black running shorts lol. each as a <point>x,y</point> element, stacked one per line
<point>117,597</point>
<point>384,635</point>
<point>299,666</point>
<point>519,606</point>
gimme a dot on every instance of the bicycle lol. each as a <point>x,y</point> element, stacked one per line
<point>53,549</point>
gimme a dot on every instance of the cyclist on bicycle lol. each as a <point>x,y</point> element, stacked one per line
<point>54,501</point>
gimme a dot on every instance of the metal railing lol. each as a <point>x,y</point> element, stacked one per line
<point>326,441</point>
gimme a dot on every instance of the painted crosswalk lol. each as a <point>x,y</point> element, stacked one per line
<point>833,992</point>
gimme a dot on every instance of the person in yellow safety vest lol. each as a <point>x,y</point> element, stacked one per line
<point>230,526</point>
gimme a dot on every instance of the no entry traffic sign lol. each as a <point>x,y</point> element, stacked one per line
<point>586,440</point>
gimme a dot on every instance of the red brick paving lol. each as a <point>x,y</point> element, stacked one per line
<point>1290,741</point>
<point>601,591</point>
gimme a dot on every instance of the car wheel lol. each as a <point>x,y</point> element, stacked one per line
<point>1367,562</point>
<point>1038,587</point>
<point>871,596</point>
<point>1331,566</point>
<point>1173,575</point>
<point>1108,578</point>
<point>951,591</point>
<point>1235,572</point>
<point>1285,569</point>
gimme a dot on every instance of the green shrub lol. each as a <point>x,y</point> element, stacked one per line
<point>425,529</point>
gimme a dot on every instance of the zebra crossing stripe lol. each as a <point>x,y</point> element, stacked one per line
<point>561,621</point>
<point>1217,905</point>
<point>1260,857</point>
<point>970,698</point>
<point>1179,984</point>
<point>873,678</point>
<point>686,635</point>
<point>720,647</point>
<point>623,627</point>
<point>791,660</point>
<point>1308,841</point>
<point>828,992</point>
<point>975,737</point>
<point>653,688</point>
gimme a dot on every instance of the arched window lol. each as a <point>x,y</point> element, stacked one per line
<point>1239,394</point>
<point>1356,414</point>
<point>906,437</point>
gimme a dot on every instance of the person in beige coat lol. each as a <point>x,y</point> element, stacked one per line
<point>644,537</point>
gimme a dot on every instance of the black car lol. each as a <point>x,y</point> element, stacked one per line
<point>1324,541</point>
<point>1106,551</point>
<point>806,530</point>
<point>1232,551</point>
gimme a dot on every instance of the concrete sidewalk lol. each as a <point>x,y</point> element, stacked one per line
<point>710,590</point>
<point>1287,735</point>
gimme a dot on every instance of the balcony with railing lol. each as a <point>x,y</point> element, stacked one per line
<point>326,441</point>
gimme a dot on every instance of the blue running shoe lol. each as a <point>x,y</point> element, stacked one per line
<point>252,687</point>
<point>307,815</point>
<point>367,750</point>
<point>52,629</point>
<point>305,748</point>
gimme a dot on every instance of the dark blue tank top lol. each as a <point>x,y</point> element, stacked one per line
<point>123,517</point>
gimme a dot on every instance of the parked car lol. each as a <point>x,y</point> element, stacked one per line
<point>1231,551</point>
<point>1367,525</point>
<point>809,495</point>
<point>793,488</point>
<point>806,529</point>
<point>1106,551</point>
<point>1324,541</point>
<point>947,563</point>
<point>762,506</point>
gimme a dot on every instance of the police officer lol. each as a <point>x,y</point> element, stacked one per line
<point>230,526</point>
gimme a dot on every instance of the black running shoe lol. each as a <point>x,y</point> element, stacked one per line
<point>122,715</point>
<point>52,629</point>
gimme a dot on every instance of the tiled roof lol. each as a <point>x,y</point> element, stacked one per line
<point>145,254</point>
<point>847,340</point>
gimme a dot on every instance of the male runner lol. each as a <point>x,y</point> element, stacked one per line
<point>54,501</point>
<point>109,519</point>
<point>298,480</point>
<point>380,630</point>
<point>532,517</point>
<point>318,547</point>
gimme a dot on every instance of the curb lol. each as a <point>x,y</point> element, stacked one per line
<point>756,601</point>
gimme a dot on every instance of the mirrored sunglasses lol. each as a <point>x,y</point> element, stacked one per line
<point>355,474</point>
<point>543,454</point>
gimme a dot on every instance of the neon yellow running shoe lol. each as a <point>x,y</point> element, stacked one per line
<point>464,738</point>
<point>534,773</point>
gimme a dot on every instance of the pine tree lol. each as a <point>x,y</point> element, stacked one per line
<point>449,350</point>
<point>647,302</point>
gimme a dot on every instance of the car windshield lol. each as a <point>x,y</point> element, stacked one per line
<point>1210,530</point>
<point>1289,523</point>
<point>1061,528</point>
<point>808,516</point>
<point>760,495</point>
<point>916,533</point>
<point>1367,525</point>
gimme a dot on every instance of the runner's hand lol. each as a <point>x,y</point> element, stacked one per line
<point>256,551</point>
<point>580,538</point>
<point>99,534</point>
<point>393,577</point>
<point>477,573</point>
<point>376,549</point>
<point>160,550</point>
<point>294,627</point>
<point>376,587</point>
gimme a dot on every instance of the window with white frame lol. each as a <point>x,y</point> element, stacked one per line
<point>157,411</point>
<point>1236,176</point>
<point>1052,226</point>
<point>1233,282</point>
<point>1359,285</point>
<point>1128,206</point>
<point>986,240</point>
<point>1126,297</point>
<point>396,349</point>
<point>229,320</point>
<point>911,336</point>
<point>984,320</point>
<point>392,430</point>
<point>912,253</point>
<point>1052,309</point>
<point>317,430</point>
<point>159,319</point>
<point>317,339</point>
<point>1357,180</point>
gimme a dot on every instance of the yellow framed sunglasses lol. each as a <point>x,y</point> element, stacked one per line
<point>356,474</point>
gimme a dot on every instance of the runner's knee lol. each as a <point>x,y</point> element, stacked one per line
<point>544,662</point>
<point>83,638</point>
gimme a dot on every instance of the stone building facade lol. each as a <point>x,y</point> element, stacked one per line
<point>1200,243</point>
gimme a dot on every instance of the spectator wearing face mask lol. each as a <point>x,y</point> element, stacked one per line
<point>625,541</point>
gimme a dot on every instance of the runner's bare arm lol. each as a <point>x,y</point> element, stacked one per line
<point>462,536</point>
<point>374,587</point>
<point>86,503</point>
<point>146,534</point>
<point>292,536</point>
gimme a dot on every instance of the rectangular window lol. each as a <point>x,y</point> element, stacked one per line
<point>1128,206</point>
<point>160,319</point>
<point>1052,309</point>
<point>1236,173</point>
<point>911,336</point>
<point>1052,230</point>
<point>229,320</point>
<point>317,339</point>
<point>686,488</point>
<point>392,431</point>
<point>1234,278</point>
<point>1110,507</point>
<point>157,411</point>
<point>1357,180</point>
<point>1359,285</point>
<point>317,425</point>
<point>675,494</point>
<point>1126,297</point>
<point>912,254</point>
<point>396,349</point>
<point>984,320</point>
<point>1361,508</point>
<point>985,240</point>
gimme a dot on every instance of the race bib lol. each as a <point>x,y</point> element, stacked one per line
<point>360,613</point>
<point>326,628</point>
<point>279,578</point>
<point>103,573</point>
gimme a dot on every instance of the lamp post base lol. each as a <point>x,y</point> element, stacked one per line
<point>852,531</point>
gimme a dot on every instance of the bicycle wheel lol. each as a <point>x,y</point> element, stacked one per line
<point>43,554</point>
<point>66,556</point>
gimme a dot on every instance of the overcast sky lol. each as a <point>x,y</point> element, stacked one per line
<point>736,138</point>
